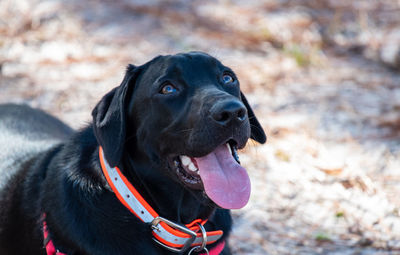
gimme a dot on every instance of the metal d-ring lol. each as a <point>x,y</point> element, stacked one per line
<point>204,243</point>
<point>198,247</point>
<point>204,234</point>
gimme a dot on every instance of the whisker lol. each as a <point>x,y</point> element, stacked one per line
<point>184,130</point>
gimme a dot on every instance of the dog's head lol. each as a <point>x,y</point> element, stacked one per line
<point>187,114</point>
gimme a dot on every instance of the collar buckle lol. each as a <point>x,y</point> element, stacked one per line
<point>154,225</point>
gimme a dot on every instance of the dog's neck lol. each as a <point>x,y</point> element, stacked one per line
<point>167,197</point>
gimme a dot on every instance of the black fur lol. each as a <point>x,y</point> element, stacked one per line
<point>47,168</point>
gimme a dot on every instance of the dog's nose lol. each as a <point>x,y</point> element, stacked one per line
<point>225,113</point>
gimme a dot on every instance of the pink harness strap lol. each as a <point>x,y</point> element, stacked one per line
<point>216,250</point>
<point>50,249</point>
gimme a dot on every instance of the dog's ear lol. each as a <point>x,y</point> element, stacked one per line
<point>257,132</point>
<point>109,117</point>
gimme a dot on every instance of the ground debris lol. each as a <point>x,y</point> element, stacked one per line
<point>315,72</point>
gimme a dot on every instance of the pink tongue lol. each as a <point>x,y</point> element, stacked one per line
<point>225,181</point>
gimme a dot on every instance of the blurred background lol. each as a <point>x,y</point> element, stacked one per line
<point>323,77</point>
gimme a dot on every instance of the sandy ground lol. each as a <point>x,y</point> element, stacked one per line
<point>322,76</point>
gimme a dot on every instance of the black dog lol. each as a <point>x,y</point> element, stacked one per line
<point>52,181</point>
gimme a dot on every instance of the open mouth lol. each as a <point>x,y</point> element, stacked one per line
<point>188,170</point>
<point>219,173</point>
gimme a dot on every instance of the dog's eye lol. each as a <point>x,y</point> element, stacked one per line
<point>168,89</point>
<point>227,79</point>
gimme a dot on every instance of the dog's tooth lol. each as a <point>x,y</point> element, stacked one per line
<point>235,154</point>
<point>185,160</point>
<point>192,167</point>
<point>229,148</point>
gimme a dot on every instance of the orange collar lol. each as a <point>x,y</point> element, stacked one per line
<point>168,234</point>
